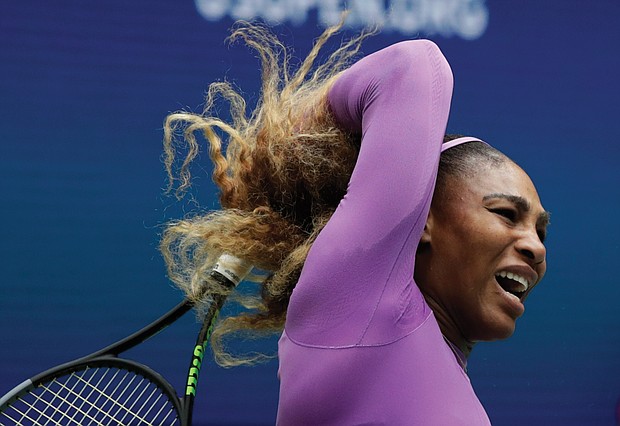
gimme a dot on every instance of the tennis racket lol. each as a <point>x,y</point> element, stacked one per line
<point>103,389</point>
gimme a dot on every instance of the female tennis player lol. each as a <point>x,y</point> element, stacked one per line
<point>392,252</point>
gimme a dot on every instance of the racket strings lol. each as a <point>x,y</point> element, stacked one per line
<point>94,396</point>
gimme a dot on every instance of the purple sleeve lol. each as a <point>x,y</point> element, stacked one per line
<point>357,286</point>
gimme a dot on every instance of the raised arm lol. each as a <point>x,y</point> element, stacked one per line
<point>356,287</point>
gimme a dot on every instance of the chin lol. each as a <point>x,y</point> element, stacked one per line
<point>504,334</point>
<point>496,330</point>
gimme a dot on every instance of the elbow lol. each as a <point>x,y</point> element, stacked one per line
<point>415,56</point>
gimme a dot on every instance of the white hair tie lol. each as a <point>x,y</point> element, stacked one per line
<point>459,141</point>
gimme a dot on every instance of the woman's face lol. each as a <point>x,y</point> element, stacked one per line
<point>482,251</point>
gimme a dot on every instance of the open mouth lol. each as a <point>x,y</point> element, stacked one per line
<point>512,283</point>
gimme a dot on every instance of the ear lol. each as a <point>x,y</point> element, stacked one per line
<point>428,228</point>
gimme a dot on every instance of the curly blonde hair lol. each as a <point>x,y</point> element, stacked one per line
<point>281,173</point>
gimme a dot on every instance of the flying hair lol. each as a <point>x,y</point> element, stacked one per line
<point>281,172</point>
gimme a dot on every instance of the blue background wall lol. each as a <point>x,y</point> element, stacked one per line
<point>84,87</point>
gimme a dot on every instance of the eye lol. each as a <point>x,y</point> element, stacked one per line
<point>542,234</point>
<point>506,213</point>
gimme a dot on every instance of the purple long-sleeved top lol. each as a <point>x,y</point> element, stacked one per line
<point>360,345</point>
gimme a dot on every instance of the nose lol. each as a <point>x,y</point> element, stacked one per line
<point>532,248</point>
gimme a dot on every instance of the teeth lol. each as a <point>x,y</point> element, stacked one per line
<point>518,278</point>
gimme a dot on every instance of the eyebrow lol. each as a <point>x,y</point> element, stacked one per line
<point>523,205</point>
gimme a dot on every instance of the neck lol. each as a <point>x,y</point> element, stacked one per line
<point>449,328</point>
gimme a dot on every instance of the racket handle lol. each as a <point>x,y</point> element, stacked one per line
<point>228,272</point>
<point>232,268</point>
<point>222,279</point>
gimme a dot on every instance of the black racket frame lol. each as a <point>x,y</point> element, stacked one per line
<point>108,356</point>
